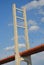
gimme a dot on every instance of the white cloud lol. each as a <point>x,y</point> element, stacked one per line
<point>42,19</point>
<point>32,22</point>
<point>34,28</point>
<point>33,25</point>
<point>12,47</point>
<point>12,38</point>
<point>21,45</point>
<point>10,24</point>
<point>34,4</point>
<point>9,48</point>
<point>41,11</point>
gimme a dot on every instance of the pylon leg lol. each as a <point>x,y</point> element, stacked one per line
<point>17,60</point>
<point>28,63</point>
<point>28,60</point>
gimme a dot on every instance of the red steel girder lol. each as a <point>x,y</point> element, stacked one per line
<point>25,53</point>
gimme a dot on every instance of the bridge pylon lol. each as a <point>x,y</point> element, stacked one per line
<point>18,58</point>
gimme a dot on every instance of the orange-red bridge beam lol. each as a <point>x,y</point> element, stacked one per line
<point>24,53</point>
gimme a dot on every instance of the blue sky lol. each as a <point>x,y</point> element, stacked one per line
<point>35,20</point>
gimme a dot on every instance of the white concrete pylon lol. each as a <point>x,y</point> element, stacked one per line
<point>17,56</point>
